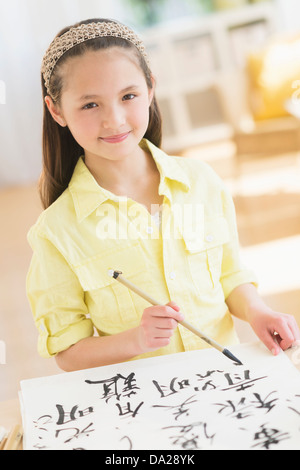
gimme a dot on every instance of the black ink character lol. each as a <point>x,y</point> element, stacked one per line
<point>267,437</point>
<point>126,409</point>
<point>111,386</point>
<point>67,417</point>
<point>190,436</point>
<point>179,410</point>
<point>174,386</point>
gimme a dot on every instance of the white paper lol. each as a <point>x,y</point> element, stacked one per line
<point>190,401</point>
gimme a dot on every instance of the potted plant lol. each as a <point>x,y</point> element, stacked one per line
<point>147,12</point>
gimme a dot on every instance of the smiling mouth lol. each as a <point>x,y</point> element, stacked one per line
<point>114,139</point>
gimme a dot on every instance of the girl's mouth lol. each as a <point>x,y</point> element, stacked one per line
<point>115,139</point>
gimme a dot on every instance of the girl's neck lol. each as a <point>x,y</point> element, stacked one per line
<point>110,173</point>
<point>135,176</point>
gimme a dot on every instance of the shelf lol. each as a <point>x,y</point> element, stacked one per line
<point>190,60</point>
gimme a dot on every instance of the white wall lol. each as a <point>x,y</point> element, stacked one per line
<point>26,29</point>
<point>289,14</point>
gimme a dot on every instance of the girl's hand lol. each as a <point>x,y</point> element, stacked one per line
<point>157,326</point>
<point>276,330</point>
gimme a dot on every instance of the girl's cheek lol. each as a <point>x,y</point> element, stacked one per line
<point>83,124</point>
<point>141,114</point>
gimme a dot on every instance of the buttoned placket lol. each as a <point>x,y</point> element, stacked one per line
<point>143,223</point>
<point>171,243</point>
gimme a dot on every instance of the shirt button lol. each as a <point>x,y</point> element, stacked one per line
<point>209,238</point>
<point>149,229</point>
<point>172,275</point>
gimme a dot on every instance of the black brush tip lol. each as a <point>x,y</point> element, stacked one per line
<point>232,357</point>
<point>116,274</point>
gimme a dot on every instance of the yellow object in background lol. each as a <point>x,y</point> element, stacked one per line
<point>273,74</point>
<point>225,4</point>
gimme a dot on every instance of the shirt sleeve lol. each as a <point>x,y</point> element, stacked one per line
<point>56,298</point>
<point>234,273</point>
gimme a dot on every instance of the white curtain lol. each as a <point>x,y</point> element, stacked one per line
<point>26,29</point>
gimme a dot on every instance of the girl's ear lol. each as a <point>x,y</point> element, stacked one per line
<point>55,111</point>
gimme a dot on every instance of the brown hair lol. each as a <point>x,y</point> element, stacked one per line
<point>60,150</point>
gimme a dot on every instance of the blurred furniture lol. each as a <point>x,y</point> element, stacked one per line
<point>199,65</point>
<point>271,124</point>
<point>271,137</point>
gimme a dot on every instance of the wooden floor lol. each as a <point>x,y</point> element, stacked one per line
<point>267,197</point>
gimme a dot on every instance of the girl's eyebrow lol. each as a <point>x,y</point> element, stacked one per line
<point>125,90</point>
<point>88,97</point>
<point>129,88</point>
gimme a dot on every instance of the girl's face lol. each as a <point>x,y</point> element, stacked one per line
<point>105,102</point>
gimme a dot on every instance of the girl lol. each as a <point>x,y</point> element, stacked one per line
<point>114,200</point>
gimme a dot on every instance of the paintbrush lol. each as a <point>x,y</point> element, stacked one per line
<point>14,438</point>
<point>118,276</point>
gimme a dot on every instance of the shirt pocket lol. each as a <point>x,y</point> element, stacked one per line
<point>113,306</point>
<point>205,254</point>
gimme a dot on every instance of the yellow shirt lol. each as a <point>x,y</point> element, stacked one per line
<point>191,258</point>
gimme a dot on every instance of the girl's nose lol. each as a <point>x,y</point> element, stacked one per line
<point>113,118</point>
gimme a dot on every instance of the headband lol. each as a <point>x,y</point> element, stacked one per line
<point>82,33</point>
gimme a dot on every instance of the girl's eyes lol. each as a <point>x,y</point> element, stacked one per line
<point>89,106</point>
<point>128,97</point>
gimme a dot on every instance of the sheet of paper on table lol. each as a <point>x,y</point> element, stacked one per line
<point>192,400</point>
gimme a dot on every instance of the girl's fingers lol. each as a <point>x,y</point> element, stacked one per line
<point>282,334</point>
<point>170,310</point>
<point>173,305</point>
<point>269,339</point>
<point>288,332</point>
<point>158,324</point>
<point>163,323</point>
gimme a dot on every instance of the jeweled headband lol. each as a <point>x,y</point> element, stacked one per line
<point>83,33</point>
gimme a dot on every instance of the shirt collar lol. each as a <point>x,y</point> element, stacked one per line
<point>168,167</point>
<point>87,194</point>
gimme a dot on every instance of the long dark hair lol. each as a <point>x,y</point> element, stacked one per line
<point>60,150</point>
